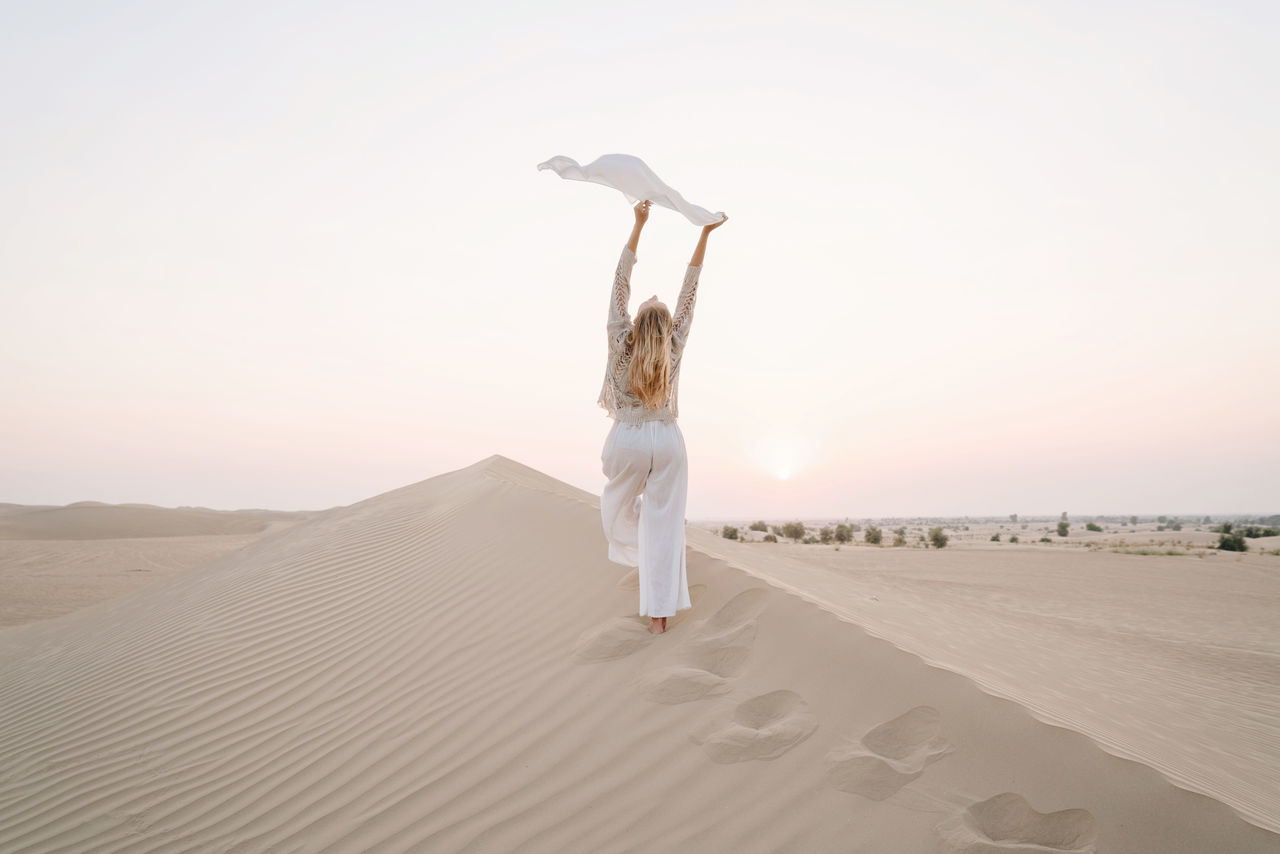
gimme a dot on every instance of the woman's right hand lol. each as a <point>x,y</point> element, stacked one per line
<point>642,212</point>
<point>713,226</point>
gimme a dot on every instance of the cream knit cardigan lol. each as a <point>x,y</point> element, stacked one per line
<point>615,393</point>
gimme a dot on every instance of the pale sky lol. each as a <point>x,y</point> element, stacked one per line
<point>982,258</point>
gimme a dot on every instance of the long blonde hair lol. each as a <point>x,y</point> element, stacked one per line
<point>650,369</point>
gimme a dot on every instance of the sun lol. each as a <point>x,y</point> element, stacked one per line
<point>783,457</point>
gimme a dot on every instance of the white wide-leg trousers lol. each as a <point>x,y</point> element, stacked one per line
<point>642,507</point>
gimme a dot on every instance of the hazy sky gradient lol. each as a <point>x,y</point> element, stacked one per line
<point>983,258</point>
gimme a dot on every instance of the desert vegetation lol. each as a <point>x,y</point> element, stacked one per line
<point>1253,532</point>
<point>1231,534</point>
<point>1230,540</point>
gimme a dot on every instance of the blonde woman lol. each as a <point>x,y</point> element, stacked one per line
<point>642,505</point>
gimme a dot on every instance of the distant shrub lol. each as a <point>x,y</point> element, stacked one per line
<point>770,538</point>
<point>843,533</point>
<point>901,532</point>
<point>855,528</point>
<point>873,535</point>
<point>995,538</point>
<point>757,526</point>
<point>1133,520</point>
<point>809,540</point>
<point>793,530</point>
<point>1013,517</point>
<point>1170,552</point>
<point>937,538</point>
<point>1254,532</point>
<point>1045,540</point>
<point>1232,542</point>
<point>1093,526</point>
<point>1063,529</point>
<point>729,532</point>
<point>1013,539</point>
<point>1162,519</point>
<point>899,541</point>
<point>775,530</point>
<point>825,534</point>
<point>1064,515</point>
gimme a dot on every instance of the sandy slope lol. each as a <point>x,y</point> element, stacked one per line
<point>455,666</point>
<point>1173,661</point>
<point>56,560</point>
<point>92,520</point>
<point>42,579</point>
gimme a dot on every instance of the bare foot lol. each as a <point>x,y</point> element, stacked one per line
<point>657,625</point>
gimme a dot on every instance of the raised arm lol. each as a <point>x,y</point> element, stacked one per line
<point>619,323</point>
<point>701,248</point>
<point>689,290</point>
<point>642,216</point>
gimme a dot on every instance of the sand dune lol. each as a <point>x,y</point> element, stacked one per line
<point>1172,661</point>
<point>92,520</point>
<point>456,666</point>
<point>57,560</point>
<point>42,579</point>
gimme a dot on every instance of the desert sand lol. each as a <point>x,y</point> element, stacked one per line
<point>456,666</point>
<point>56,560</point>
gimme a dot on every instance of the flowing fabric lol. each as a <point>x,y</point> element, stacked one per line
<point>642,508</point>
<point>634,179</point>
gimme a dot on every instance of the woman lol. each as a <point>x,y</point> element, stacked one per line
<point>642,505</point>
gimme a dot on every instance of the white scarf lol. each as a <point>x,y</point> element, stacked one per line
<point>634,179</point>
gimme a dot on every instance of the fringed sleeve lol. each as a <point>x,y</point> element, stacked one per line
<point>619,330</point>
<point>683,316</point>
<point>619,324</point>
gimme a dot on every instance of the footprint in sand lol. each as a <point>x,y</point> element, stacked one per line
<point>716,651</point>
<point>617,638</point>
<point>621,636</point>
<point>680,684</point>
<point>889,756</point>
<point>1007,823</point>
<point>764,727</point>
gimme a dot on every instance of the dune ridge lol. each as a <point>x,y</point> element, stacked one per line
<point>93,520</point>
<point>404,674</point>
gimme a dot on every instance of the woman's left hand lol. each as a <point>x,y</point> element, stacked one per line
<point>642,212</point>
